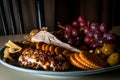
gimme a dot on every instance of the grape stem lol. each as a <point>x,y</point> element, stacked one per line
<point>88,23</point>
<point>60,26</point>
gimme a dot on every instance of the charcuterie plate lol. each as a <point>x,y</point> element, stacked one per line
<point>16,66</point>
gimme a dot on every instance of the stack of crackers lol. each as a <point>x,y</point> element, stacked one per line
<point>87,61</point>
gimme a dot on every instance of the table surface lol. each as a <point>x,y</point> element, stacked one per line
<point>10,74</point>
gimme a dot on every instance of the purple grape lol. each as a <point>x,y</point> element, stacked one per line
<point>105,35</point>
<point>90,34</point>
<point>102,41</point>
<point>112,36</point>
<point>97,35</point>
<point>104,28</point>
<point>94,26</point>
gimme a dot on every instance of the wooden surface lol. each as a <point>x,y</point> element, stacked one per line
<point>10,74</point>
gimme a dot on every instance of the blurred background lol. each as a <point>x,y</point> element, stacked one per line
<point>65,12</point>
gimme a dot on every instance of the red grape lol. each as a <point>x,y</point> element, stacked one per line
<point>75,32</point>
<point>68,28</point>
<point>83,23</point>
<point>84,27</point>
<point>95,45</point>
<point>67,35</point>
<point>88,40</point>
<point>75,23</point>
<point>81,19</point>
<point>71,41</point>
<point>87,30</point>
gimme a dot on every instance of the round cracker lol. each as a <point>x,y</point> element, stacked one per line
<point>82,62</point>
<point>77,63</point>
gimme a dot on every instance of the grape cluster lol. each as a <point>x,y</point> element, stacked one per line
<point>83,34</point>
<point>73,34</point>
<point>98,34</point>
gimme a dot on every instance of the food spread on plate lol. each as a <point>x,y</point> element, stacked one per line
<point>80,46</point>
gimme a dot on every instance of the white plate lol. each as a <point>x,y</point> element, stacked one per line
<point>69,74</point>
